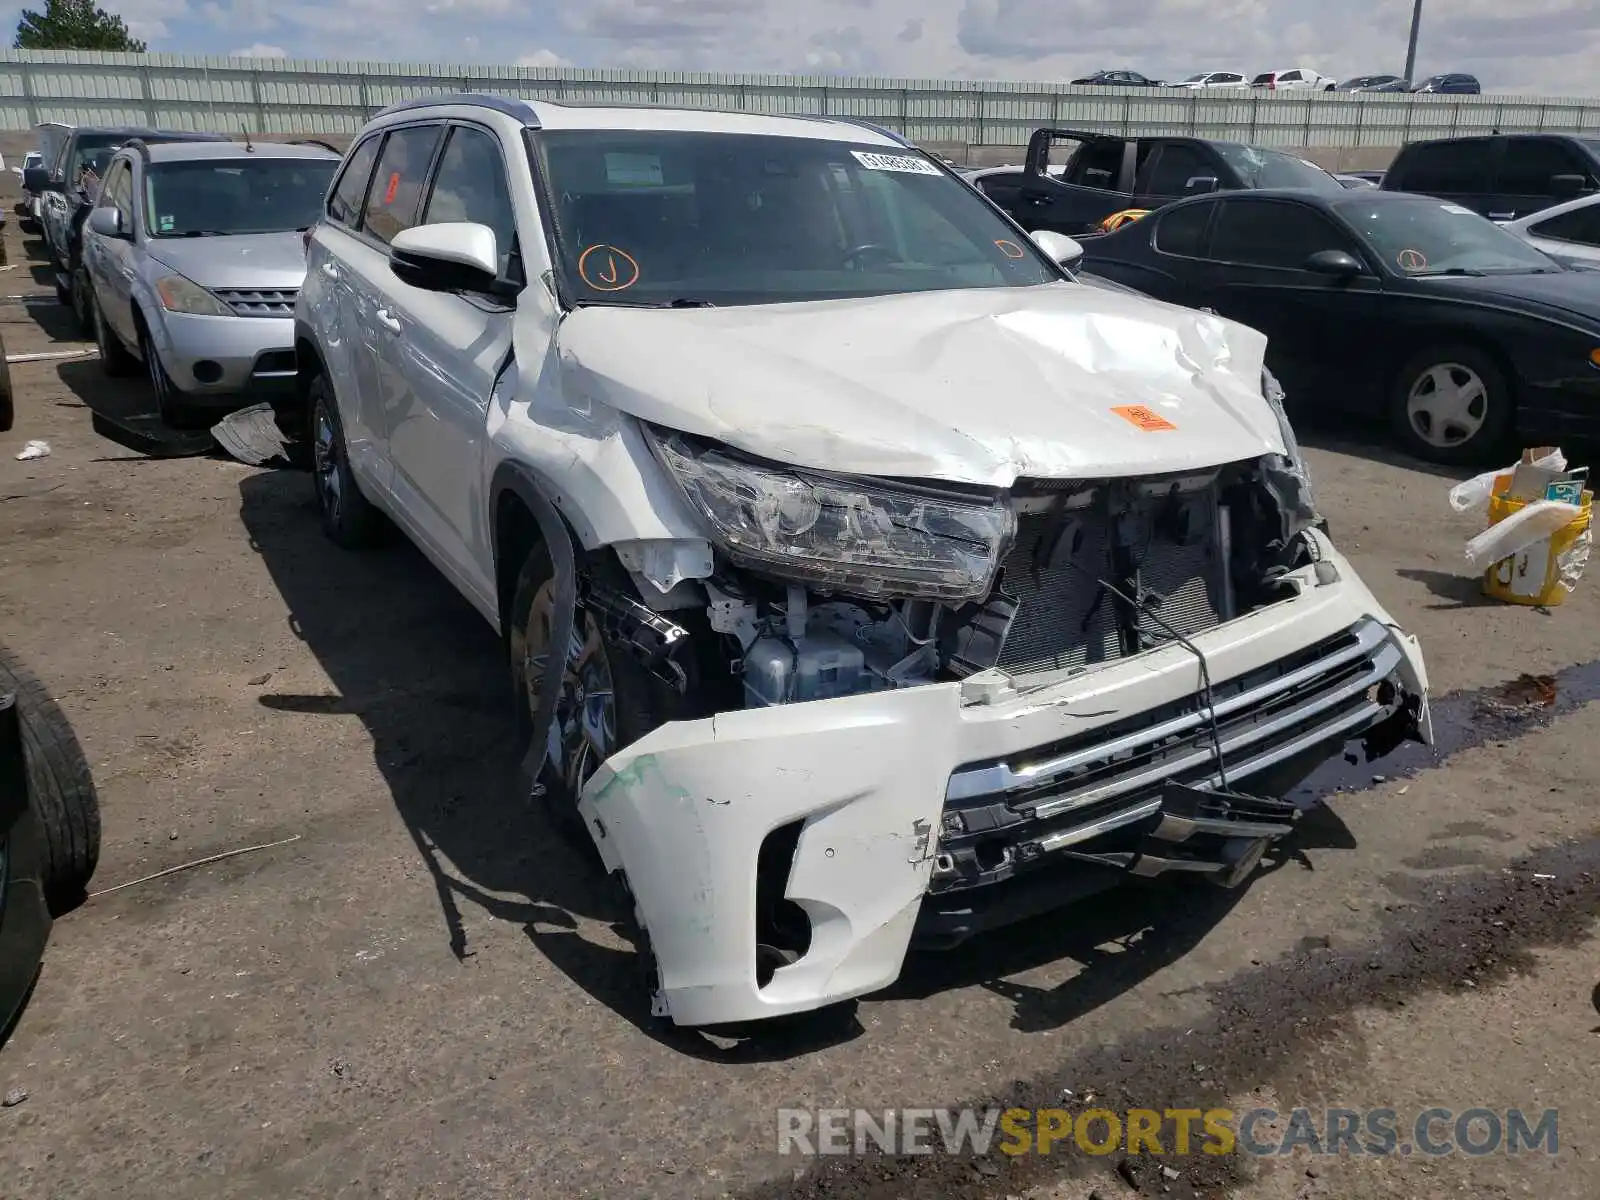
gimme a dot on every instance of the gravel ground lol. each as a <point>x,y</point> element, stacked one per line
<point>423,995</point>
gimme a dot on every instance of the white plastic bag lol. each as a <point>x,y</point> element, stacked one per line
<point>1475,492</point>
<point>1519,531</point>
<point>34,449</point>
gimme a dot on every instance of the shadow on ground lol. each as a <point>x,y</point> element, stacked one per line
<point>123,411</point>
<point>1119,938</point>
<point>427,677</point>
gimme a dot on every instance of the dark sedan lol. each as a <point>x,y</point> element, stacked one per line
<point>1117,79</point>
<point>1385,304</point>
<point>1375,83</point>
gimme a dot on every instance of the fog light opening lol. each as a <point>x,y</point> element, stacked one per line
<point>207,371</point>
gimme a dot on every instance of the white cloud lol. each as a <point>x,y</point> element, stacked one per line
<point>259,50</point>
<point>1546,46</point>
<point>543,58</point>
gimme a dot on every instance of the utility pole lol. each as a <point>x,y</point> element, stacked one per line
<point>1411,46</point>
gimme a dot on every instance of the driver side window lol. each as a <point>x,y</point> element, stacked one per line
<point>1273,233</point>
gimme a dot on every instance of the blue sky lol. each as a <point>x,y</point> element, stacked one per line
<point>1542,46</point>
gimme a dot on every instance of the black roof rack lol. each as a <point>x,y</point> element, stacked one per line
<point>519,109</point>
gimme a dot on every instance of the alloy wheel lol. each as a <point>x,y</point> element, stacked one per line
<point>325,464</point>
<point>583,732</point>
<point>1447,405</point>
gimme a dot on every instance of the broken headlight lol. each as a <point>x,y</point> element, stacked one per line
<point>841,533</point>
<point>1288,473</point>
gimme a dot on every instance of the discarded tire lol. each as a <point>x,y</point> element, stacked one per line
<point>60,786</point>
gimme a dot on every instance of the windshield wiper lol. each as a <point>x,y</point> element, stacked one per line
<point>686,302</point>
<point>202,233</point>
<point>1472,271</point>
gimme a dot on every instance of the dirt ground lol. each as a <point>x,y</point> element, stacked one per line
<point>425,995</point>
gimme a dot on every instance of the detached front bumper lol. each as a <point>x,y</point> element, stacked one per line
<point>223,356</point>
<point>892,791</point>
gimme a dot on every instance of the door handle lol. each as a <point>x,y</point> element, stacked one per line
<point>390,323</point>
<point>331,271</point>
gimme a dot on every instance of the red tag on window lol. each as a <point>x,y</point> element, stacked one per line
<point>394,186</point>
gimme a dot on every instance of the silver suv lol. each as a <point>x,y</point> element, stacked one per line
<point>195,253</point>
<point>863,576</point>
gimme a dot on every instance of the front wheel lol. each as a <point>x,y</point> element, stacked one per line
<point>82,299</point>
<point>1452,405</point>
<point>115,360</point>
<point>608,699</point>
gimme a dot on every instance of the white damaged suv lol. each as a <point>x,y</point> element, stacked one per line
<point>866,579</point>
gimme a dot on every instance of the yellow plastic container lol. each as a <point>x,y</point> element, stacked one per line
<point>1545,573</point>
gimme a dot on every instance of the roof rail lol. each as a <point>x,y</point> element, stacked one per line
<point>521,110</point>
<point>878,129</point>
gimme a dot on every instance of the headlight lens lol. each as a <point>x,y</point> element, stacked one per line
<point>182,295</point>
<point>842,533</point>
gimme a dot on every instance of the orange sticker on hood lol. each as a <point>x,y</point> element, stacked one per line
<point>1147,419</point>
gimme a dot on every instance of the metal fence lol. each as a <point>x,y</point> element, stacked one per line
<point>281,95</point>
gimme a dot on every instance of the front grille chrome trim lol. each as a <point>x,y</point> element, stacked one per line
<point>1002,777</point>
<point>259,302</point>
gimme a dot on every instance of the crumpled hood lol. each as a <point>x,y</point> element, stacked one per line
<point>980,386</point>
<point>240,260</point>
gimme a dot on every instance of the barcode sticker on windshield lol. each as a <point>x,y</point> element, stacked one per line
<point>1457,209</point>
<point>908,163</point>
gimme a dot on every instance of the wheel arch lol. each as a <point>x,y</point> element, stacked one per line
<point>522,519</point>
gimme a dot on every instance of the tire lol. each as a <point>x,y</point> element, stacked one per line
<point>8,407</point>
<point>30,226</point>
<point>115,360</point>
<point>1461,430</point>
<point>60,787</point>
<point>348,518</point>
<point>170,405</point>
<point>82,299</point>
<point>640,701</point>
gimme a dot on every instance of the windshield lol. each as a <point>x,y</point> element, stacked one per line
<point>1430,237</point>
<point>235,195</point>
<point>1259,168</point>
<point>1260,79</point>
<point>659,217</point>
<point>1200,78</point>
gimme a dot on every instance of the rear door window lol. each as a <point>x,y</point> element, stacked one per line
<point>396,192</point>
<point>1182,230</point>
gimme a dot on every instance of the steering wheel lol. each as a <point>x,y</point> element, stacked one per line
<point>867,248</point>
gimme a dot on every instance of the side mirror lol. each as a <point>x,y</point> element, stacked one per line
<point>107,222</point>
<point>1337,263</point>
<point>1059,247</point>
<point>37,180</point>
<point>1567,186</point>
<point>1200,183</point>
<point>451,256</point>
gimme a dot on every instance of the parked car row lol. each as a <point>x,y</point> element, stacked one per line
<point>1292,79</point>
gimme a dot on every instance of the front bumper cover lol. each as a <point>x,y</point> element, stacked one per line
<point>683,813</point>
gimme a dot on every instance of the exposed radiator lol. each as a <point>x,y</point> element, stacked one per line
<point>1159,542</point>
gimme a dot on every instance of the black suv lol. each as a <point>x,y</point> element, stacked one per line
<point>67,188</point>
<point>1502,176</point>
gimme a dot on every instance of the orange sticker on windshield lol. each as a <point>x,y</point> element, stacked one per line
<point>394,186</point>
<point>607,269</point>
<point>1009,249</point>
<point>1147,419</point>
